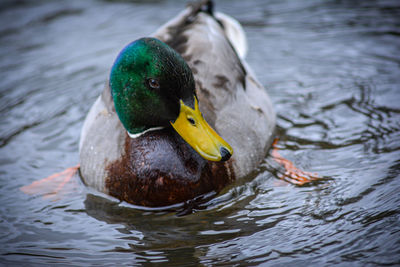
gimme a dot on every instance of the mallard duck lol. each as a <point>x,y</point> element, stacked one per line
<point>151,137</point>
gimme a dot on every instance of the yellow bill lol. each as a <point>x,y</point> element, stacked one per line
<point>194,129</point>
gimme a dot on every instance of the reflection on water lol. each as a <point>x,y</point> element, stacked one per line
<point>331,68</point>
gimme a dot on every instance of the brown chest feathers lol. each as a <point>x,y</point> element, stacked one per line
<point>159,168</point>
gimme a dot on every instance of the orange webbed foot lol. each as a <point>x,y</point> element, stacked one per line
<point>292,174</point>
<point>50,186</point>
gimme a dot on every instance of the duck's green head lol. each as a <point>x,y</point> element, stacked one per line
<point>152,86</point>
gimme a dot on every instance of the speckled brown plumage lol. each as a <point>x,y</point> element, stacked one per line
<point>159,168</point>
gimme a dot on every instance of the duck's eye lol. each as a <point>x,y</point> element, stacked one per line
<point>191,121</point>
<point>153,83</point>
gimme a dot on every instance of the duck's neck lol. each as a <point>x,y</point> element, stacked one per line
<point>136,135</point>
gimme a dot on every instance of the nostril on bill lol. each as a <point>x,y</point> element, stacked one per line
<point>191,121</point>
<point>225,155</point>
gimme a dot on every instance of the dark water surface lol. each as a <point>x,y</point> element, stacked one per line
<point>332,69</point>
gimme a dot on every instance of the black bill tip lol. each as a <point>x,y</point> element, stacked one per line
<point>225,155</point>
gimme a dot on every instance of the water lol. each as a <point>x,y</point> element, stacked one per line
<point>332,69</point>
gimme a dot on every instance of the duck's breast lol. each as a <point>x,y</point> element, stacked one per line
<point>159,168</point>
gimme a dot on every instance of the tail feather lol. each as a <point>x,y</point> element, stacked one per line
<point>234,32</point>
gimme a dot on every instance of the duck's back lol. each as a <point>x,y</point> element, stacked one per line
<point>231,99</point>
